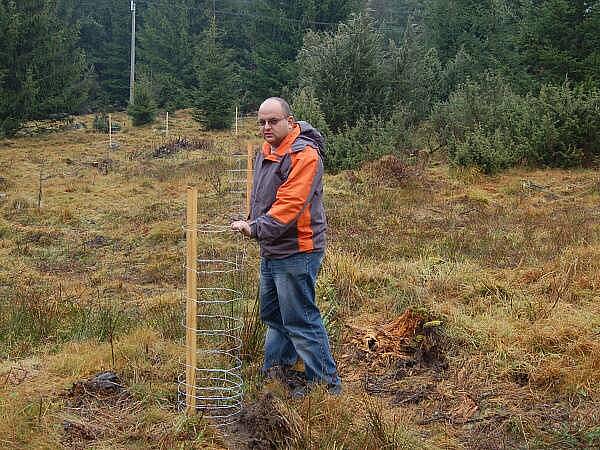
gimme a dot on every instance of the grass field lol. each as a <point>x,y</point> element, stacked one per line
<point>505,270</point>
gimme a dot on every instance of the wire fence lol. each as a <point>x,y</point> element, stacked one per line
<point>212,384</point>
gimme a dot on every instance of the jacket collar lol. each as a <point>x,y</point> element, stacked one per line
<point>284,147</point>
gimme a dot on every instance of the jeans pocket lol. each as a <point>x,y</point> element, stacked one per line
<point>294,265</point>
<point>313,263</point>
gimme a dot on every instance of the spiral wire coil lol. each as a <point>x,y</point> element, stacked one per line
<point>218,385</point>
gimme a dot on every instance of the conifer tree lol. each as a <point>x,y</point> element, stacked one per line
<point>42,71</point>
<point>143,109</point>
<point>561,40</point>
<point>276,35</point>
<point>345,71</point>
<point>486,30</point>
<point>11,95</point>
<point>215,96</point>
<point>166,49</point>
<point>105,33</point>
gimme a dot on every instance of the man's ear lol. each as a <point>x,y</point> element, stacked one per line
<point>291,122</point>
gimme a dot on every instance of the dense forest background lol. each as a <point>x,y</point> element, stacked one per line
<point>494,83</point>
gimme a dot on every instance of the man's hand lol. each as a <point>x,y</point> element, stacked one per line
<point>241,226</point>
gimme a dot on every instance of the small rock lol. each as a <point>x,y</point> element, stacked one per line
<point>104,383</point>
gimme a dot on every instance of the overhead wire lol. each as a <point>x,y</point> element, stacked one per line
<point>269,17</point>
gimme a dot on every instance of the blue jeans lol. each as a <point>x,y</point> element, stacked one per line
<point>295,327</point>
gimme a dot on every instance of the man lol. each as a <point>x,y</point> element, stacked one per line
<point>288,220</point>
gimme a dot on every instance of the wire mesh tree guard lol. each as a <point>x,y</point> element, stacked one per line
<point>212,385</point>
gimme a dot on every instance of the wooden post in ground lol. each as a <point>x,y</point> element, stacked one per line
<point>191,299</point>
<point>109,131</point>
<point>167,125</point>
<point>236,120</point>
<point>249,175</point>
<point>40,190</point>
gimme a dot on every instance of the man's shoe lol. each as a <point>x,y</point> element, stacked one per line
<point>276,373</point>
<point>295,379</point>
<point>300,392</point>
<point>303,391</point>
<point>286,375</point>
<point>334,389</point>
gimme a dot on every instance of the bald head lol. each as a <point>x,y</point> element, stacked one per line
<point>285,106</point>
<point>275,120</point>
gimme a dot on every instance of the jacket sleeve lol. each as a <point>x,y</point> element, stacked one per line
<point>293,196</point>
<point>257,162</point>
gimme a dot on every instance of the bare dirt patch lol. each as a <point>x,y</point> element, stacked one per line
<point>99,408</point>
<point>266,424</point>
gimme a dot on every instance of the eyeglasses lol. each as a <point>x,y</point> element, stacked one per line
<point>272,122</point>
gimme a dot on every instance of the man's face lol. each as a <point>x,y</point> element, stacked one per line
<point>274,124</point>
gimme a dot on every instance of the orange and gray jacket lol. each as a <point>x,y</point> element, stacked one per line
<point>286,206</point>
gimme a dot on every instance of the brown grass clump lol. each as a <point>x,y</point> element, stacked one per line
<point>390,171</point>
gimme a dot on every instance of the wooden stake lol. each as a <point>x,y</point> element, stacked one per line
<point>249,175</point>
<point>40,190</point>
<point>236,120</point>
<point>167,125</point>
<point>192,297</point>
<point>109,131</point>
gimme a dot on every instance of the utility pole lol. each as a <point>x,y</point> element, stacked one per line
<point>132,75</point>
